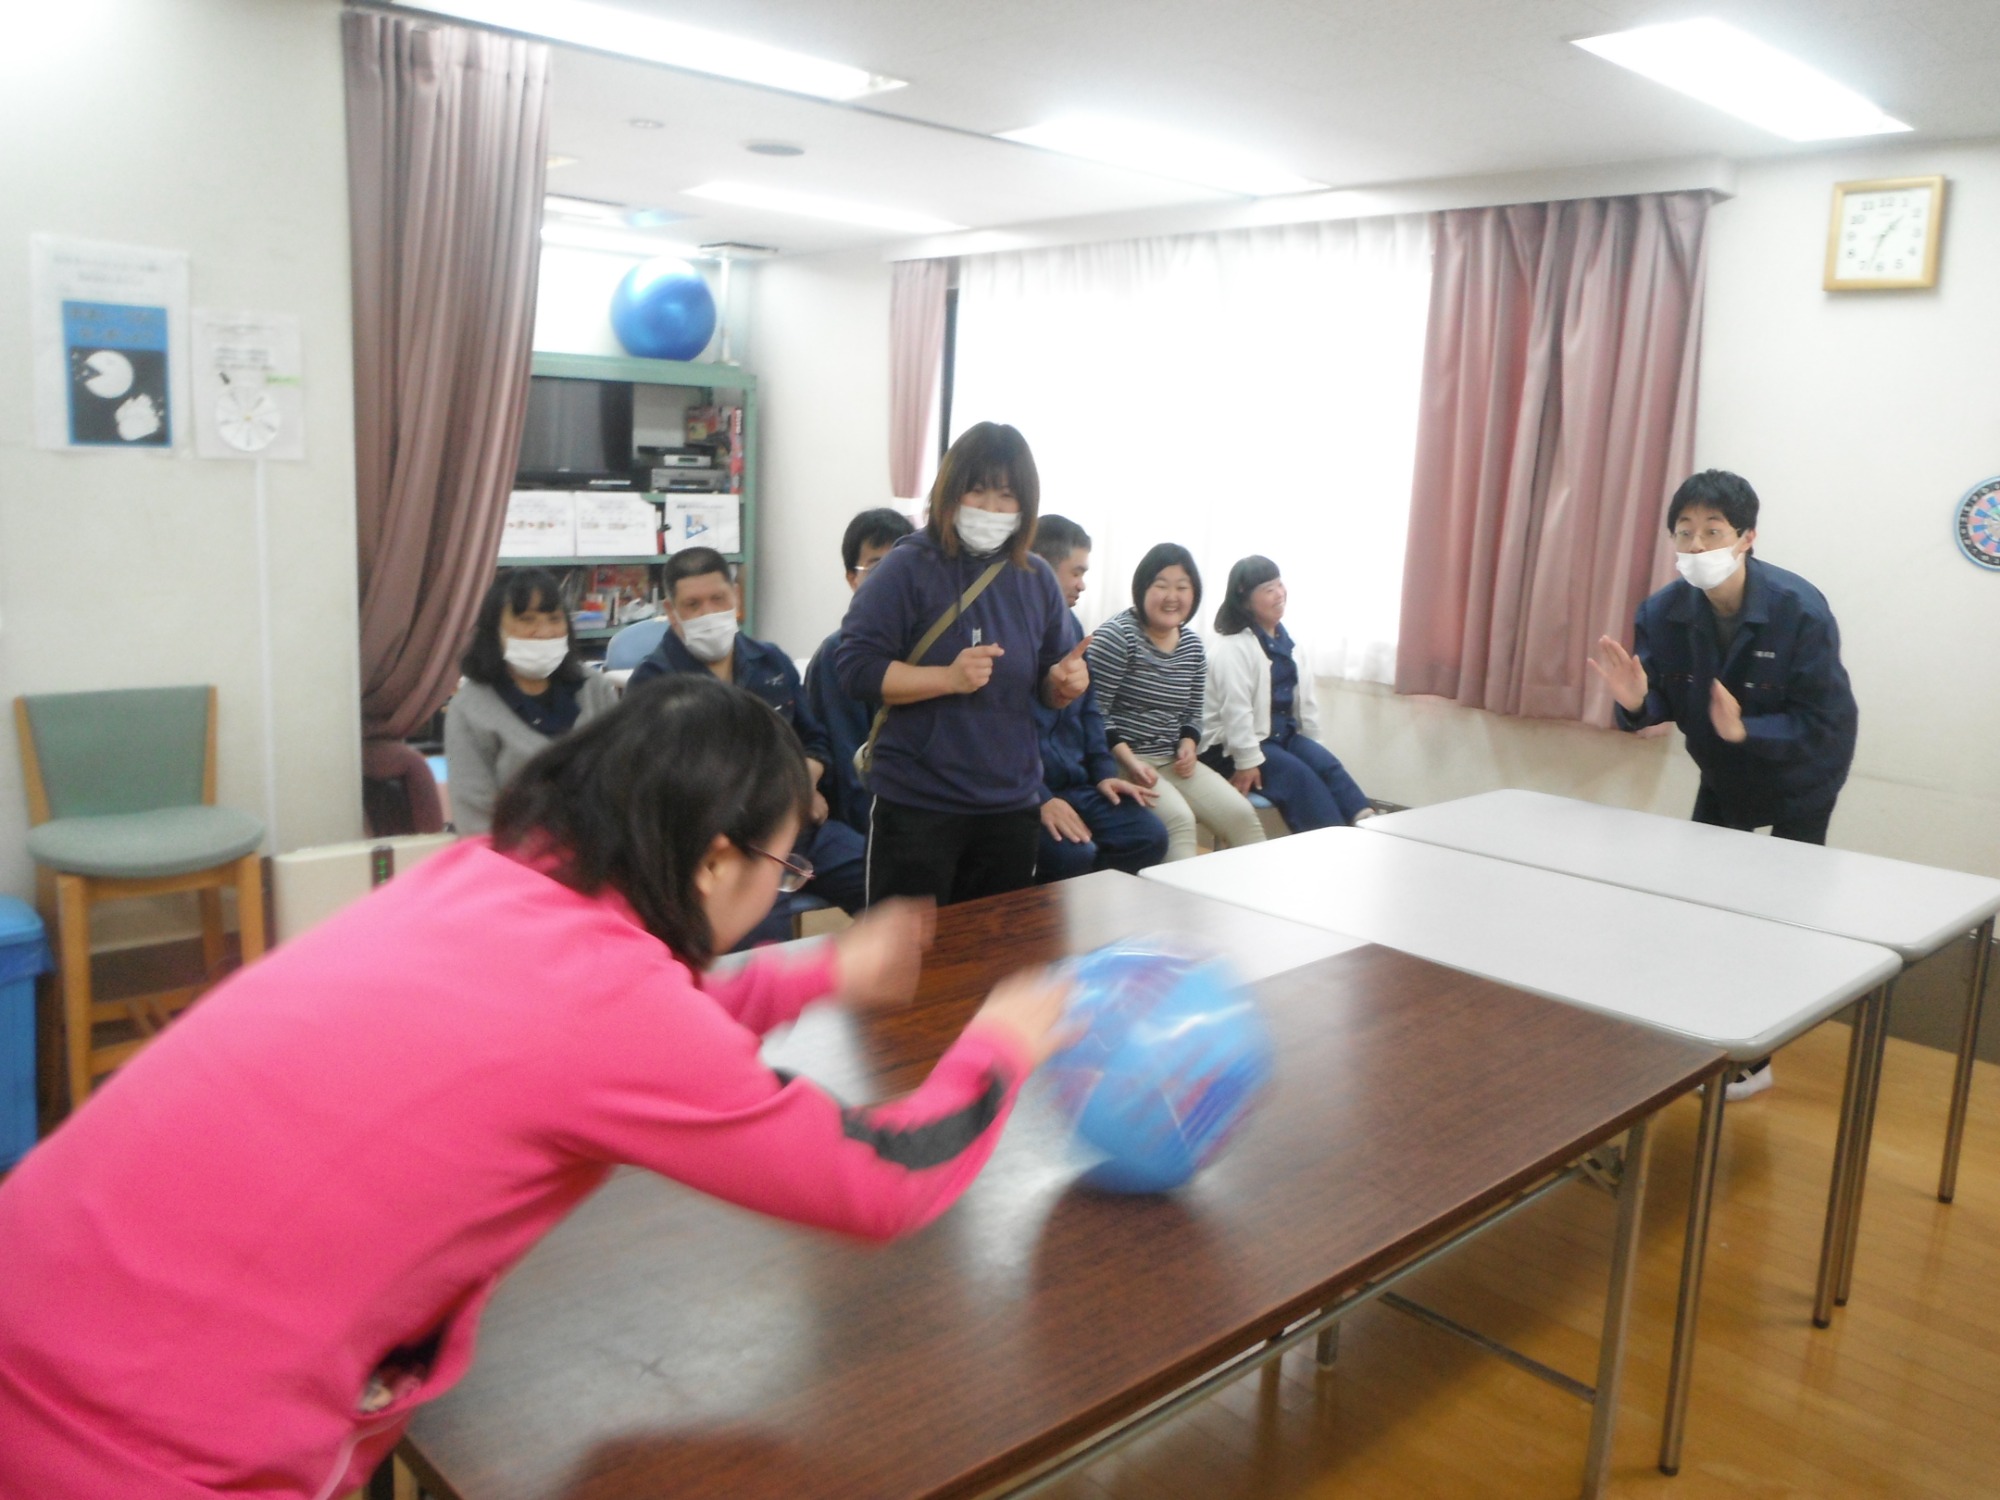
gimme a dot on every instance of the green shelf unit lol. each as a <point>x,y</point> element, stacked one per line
<point>739,385</point>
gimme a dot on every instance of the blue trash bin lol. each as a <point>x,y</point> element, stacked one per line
<point>24,953</point>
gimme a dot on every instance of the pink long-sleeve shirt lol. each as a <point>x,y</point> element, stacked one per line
<point>339,1152</point>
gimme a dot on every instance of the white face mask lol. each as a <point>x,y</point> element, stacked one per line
<point>984,531</point>
<point>1710,569</point>
<point>534,658</point>
<point>709,637</point>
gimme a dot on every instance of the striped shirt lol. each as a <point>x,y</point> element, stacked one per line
<point>1151,699</point>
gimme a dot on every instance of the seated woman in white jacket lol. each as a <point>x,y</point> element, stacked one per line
<point>1261,728</point>
<point>524,685</point>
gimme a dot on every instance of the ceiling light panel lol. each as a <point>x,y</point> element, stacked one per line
<point>608,28</point>
<point>1163,152</point>
<point>1733,71</point>
<point>813,206</point>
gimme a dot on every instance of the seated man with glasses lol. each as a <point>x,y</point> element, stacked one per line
<point>868,539</point>
<point>701,598</point>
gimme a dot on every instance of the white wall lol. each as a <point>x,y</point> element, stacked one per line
<point>1861,418</point>
<point>821,354</point>
<point>215,127</point>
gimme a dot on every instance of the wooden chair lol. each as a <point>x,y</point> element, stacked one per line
<point>121,804</point>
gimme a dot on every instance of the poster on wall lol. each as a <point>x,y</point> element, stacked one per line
<point>109,334</point>
<point>249,401</point>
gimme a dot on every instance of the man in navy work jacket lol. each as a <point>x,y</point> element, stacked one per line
<point>845,718</point>
<point>1092,818</point>
<point>701,602</point>
<point>1745,658</point>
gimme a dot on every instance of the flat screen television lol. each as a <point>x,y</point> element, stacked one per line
<point>578,433</point>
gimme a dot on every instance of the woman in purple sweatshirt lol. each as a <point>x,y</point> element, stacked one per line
<point>957,767</point>
<point>243,1263</point>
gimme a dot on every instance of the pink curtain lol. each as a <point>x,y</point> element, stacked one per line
<point>916,350</point>
<point>447,145</point>
<point>1557,419</point>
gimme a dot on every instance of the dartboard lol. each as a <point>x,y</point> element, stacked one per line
<point>1979,524</point>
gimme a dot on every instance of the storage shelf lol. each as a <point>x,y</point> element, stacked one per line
<point>645,559</point>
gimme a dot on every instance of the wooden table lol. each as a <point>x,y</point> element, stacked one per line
<point>1911,909</point>
<point>1739,983</point>
<point>662,1344</point>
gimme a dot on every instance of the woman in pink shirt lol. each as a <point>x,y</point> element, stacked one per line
<point>242,1264</point>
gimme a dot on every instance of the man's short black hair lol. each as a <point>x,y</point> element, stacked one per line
<point>880,527</point>
<point>1719,490</point>
<point>1056,537</point>
<point>694,562</point>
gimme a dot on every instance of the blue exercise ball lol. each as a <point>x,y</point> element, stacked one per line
<point>1172,1060</point>
<point>663,309</point>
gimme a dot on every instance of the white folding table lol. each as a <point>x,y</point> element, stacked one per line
<point>1742,984</point>
<point>1912,909</point>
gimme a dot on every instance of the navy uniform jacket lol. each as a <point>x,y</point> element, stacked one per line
<point>967,753</point>
<point>846,720</point>
<point>1784,668</point>
<point>760,667</point>
<point>1075,751</point>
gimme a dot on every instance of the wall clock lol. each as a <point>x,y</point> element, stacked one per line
<point>1884,234</point>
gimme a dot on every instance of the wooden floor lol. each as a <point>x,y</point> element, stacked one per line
<point>1901,1397</point>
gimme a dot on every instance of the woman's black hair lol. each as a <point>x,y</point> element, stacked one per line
<point>1156,561</point>
<point>521,590</point>
<point>987,455</point>
<point>1232,616</point>
<point>634,799</point>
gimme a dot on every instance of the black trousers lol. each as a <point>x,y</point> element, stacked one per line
<point>1809,828</point>
<point>949,856</point>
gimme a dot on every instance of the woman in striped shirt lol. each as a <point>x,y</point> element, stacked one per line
<point>1150,673</point>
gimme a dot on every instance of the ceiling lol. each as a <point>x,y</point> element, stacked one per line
<point>1346,92</point>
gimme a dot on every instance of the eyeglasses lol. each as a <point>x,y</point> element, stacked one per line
<point>798,869</point>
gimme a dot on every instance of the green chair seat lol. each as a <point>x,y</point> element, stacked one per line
<point>146,845</point>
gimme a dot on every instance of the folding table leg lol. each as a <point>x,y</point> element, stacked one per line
<point>1832,1246</point>
<point>1701,1194</point>
<point>1863,1140</point>
<point>1327,1349</point>
<point>1617,1309</point>
<point>1961,1083</point>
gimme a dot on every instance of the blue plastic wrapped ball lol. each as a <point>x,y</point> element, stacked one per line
<point>1172,1060</point>
<point>663,309</point>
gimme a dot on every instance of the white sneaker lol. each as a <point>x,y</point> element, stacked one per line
<point>1746,1082</point>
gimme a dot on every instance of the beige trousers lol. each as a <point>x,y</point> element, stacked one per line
<point>1204,798</point>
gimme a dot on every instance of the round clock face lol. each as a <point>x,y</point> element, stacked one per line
<point>247,419</point>
<point>1883,235</point>
<point>1978,524</point>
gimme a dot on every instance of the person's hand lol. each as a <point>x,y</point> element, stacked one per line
<point>1064,823</point>
<point>1069,679</point>
<point>1726,714</point>
<point>1622,672</point>
<point>1116,789</point>
<point>1029,1006</point>
<point>814,771</point>
<point>1184,759</point>
<point>1136,770</point>
<point>877,960</point>
<point>972,668</point>
<point>1248,781</point>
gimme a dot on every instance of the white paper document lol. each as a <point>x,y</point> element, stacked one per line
<point>108,325</point>
<point>248,398</point>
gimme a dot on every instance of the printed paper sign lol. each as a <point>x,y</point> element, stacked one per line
<point>109,330</point>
